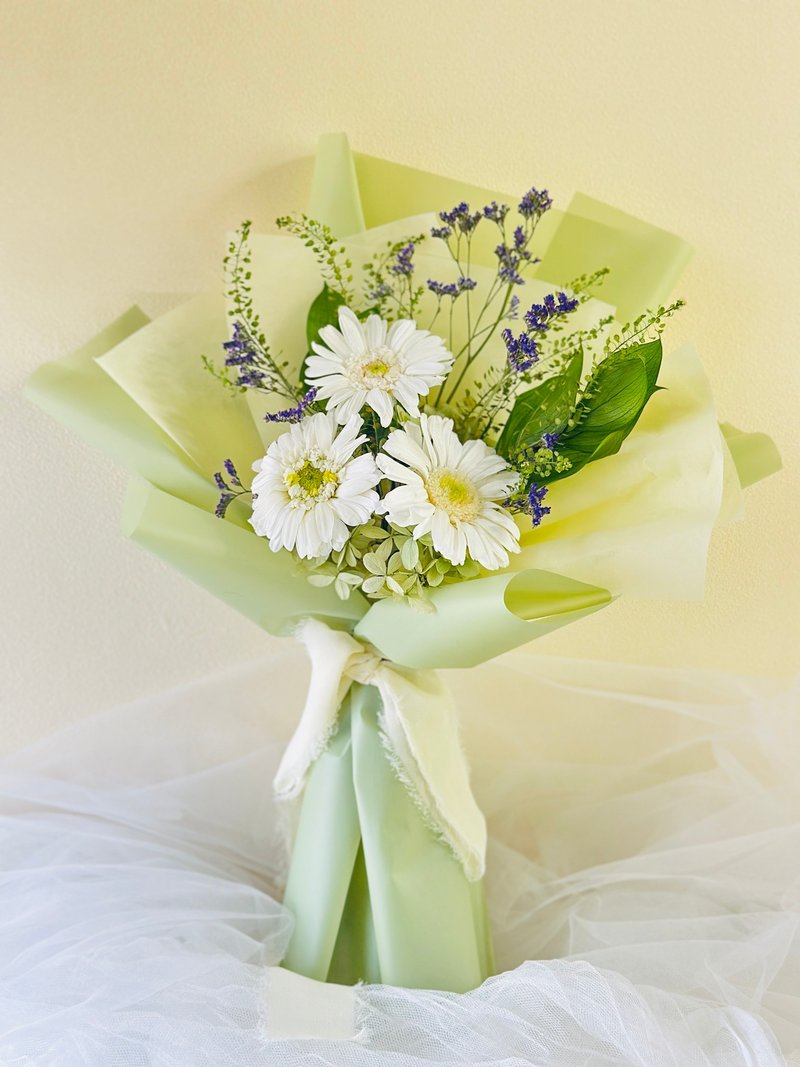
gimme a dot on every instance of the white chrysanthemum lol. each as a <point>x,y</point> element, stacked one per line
<point>450,490</point>
<point>374,364</point>
<point>309,489</point>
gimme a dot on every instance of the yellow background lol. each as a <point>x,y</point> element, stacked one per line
<point>134,133</point>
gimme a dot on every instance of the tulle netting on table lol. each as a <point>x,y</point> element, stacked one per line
<point>644,866</point>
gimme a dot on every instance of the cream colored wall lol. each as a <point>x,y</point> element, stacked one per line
<point>134,132</point>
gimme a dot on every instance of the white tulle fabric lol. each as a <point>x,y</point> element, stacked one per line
<point>643,877</point>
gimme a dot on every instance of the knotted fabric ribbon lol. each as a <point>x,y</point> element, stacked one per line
<point>418,727</point>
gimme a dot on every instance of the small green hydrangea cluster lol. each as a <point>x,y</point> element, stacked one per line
<point>388,563</point>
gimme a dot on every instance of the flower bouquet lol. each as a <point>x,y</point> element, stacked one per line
<point>462,437</point>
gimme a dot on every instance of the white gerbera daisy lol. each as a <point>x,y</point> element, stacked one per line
<point>375,364</point>
<point>450,490</point>
<point>309,489</point>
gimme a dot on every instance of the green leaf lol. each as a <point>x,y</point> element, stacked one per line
<point>384,550</point>
<point>374,533</point>
<point>324,311</point>
<point>322,579</point>
<point>374,564</point>
<point>373,585</point>
<point>543,409</point>
<point>409,554</point>
<point>615,397</point>
<point>395,586</point>
<point>343,590</point>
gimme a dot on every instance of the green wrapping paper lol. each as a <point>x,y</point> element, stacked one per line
<point>396,906</point>
<point>375,893</point>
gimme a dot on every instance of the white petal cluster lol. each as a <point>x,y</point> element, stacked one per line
<point>310,488</point>
<point>450,490</point>
<point>375,365</point>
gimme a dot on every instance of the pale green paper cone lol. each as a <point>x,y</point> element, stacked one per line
<point>755,455</point>
<point>645,262</point>
<point>478,620</point>
<point>231,562</point>
<point>335,197</point>
<point>79,394</point>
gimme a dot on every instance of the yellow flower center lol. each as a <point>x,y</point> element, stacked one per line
<point>454,493</point>
<point>311,481</point>
<point>377,368</point>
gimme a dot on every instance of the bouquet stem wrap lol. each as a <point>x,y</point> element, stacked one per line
<point>390,845</point>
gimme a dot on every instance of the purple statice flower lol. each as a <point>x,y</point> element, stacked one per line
<point>539,316</point>
<point>232,473</point>
<point>240,352</point>
<point>550,440</point>
<point>442,232</point>
<point>227,493</point>
<point>451,289</point>
<point>460,218</point>
<point>513,308</point>
<point>296,413</point>
<point>239,349</point>
<point>441,289</point>
<point>224,502</point>
<point>534,203</point>
<point>468,223</point>
<point>251,379</point>
<point>522,351</point>
<point>495,212</point>
<point>535,508</point>
<point>380,292</point>
<point>450,217</point>
<point>403,263</point>
<point>509,262</point>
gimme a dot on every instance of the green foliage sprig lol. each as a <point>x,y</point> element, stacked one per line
<point>249,355</point>
<point>335,267</point>
<point>647,327</point>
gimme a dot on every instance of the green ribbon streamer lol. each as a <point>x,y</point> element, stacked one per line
<point>396,907</point>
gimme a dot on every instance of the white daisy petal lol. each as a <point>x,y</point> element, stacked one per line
<point>352,331</point>
<point>375,331</point>
<point>335,342</point>
<point>406,445</point>
<point>450,490</point>
<point>396,471</point>
<point>373,364</point>
<point>309,488</point>
<point>380,403</point>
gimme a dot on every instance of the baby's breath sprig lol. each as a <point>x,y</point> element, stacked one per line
<point>335,267</point>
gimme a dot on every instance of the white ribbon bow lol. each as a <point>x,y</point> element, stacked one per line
<point>419,728</point>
